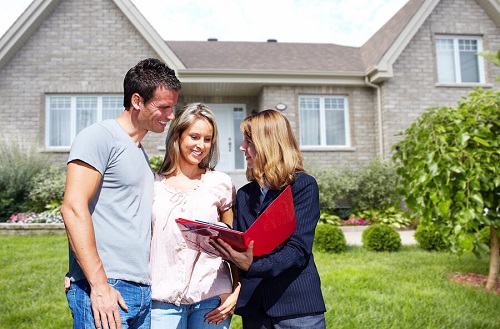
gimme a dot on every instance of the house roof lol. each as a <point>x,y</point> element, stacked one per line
<point>242,68</point>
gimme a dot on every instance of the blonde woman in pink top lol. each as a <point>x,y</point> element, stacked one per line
<point>190,289</point>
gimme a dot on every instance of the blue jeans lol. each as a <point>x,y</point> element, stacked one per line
<point>190,316</point>
<point>263,321</point>
<point>136,296</point>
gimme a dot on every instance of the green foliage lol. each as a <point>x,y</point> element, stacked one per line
<point>492,57</point>
<point>391,216</point>
<point>379,237</point>
<point>334,184</point>
<point>448,164</point>
<point>329,238</point>
<point>327,216</point>
<point>156,162</point>
<point>374,186</point>
<point>18,166</point>
<point>430,238</point>
<point>484,240</point>
<point>371,186</point>
<point>47,189</point>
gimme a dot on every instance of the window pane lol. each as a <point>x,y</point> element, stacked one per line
<point>445,60</point>
<point>86,112</point>
<point>309,121</point>
<point>468,60</point>
<point>335,119</point>
<point>112,107</point>
<point>60,124</point>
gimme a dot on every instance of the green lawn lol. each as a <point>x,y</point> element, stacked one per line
<point>363,289</point>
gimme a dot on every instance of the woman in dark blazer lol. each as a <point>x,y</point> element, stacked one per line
<point>281,289</point>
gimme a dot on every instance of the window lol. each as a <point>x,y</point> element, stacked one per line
<point>324,121</point>
<point>67,115</point>
<point>457,59</point>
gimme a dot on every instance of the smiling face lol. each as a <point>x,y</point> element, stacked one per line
<point>196,141</point>
<point>158,111</point>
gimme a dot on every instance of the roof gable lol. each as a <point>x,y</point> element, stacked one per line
<point>38,11</point>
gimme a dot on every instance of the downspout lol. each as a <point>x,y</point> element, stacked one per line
<point>379,113</point>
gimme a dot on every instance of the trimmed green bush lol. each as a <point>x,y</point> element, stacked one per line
<point>430,238</point>
<point>329,238</point>
<point>47,189</point>
<point>374,186</point>
<point>379,237</point>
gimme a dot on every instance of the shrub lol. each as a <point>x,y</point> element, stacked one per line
<point>375,186</point>
<point>18,166</point>
<point>379,237</point>
<point>392,216</point>
<point>48,189</point>
<point>334,184</point>
<point>329,238</point>
<point>430,238</point>
<point>327,216</point>
<point>155,162</point>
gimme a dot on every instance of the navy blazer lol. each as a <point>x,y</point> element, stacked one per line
<point>285,282</point>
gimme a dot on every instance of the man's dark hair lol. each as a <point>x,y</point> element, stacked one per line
<point>145,77</point>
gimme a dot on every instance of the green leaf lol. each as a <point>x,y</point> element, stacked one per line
<point>480,141</point>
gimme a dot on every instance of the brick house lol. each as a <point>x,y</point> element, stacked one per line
<point>62,65</point>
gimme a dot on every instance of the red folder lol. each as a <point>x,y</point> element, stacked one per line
<point>269,230</point>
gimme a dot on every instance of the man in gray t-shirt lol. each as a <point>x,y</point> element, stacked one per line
<point>107,204</point>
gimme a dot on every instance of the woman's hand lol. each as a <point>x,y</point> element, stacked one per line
<point>241,259</point>
<point>226,307</point>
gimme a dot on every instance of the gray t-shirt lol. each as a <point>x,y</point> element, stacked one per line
<point>121,208</point>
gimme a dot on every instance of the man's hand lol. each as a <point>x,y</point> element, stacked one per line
<point>105,301</point>
<point>241,259</point>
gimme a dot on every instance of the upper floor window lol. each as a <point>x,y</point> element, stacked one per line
<point>457,59</point>
<point>67,115</point>
<point>324,121</point>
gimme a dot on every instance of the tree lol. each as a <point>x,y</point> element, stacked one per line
<point>449,172</point>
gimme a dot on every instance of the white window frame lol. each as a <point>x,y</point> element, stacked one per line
<point>456,55</point>
<point>73,116</point>
<point>322,123</point>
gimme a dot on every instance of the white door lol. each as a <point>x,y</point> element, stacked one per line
<point>224,114</point>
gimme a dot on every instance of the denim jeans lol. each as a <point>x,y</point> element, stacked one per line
<point>190,316</point>
<point>263,321</point>
<point>136,296</point>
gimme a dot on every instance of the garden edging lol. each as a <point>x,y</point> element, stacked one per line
<point>31,228</point>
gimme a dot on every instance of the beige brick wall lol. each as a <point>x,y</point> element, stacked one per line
<point>414,86</point>
<point>362,121</point>
<point>85,46</point>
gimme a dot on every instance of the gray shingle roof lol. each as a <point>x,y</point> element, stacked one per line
<point>276,56</point>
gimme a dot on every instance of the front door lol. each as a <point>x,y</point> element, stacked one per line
<point>228,118</point>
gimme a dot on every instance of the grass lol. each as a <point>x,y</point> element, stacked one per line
<point>362,289</point>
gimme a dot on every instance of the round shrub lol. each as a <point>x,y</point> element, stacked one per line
<point>430,238</point>
<point>329,238</point>
<point>379,237</point>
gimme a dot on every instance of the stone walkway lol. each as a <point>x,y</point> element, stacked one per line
<point>353,235</point>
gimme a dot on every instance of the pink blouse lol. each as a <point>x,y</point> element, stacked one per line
<point>180,275</point>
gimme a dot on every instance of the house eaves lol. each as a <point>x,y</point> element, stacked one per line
<point>149,34</point>
<point>24,27</point>
<point>403,26</point>
<point>38,11</point>
<point>251,82</point>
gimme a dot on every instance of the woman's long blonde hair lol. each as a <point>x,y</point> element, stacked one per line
<point>278,155</point>
<point>183,119</point>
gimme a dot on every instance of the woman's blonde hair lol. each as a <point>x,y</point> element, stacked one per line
<point>186,116</point>
<point>278,155</point>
